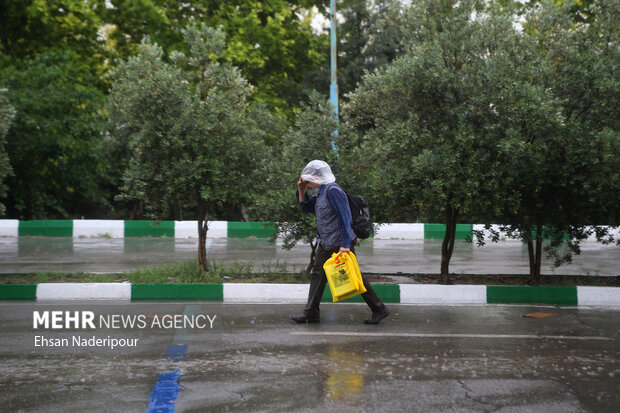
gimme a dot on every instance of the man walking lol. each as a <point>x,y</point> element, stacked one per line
<point>334,234</point>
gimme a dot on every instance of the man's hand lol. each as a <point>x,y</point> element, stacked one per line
<point>301,185</point>
<point>343,251</point>
<point>301,188</point>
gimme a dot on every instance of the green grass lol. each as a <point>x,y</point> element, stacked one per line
<point>179,272</point>
<point>53,277</point>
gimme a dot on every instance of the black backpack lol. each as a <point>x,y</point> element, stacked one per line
<point>360,216</point>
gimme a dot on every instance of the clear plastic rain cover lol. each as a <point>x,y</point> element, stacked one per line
<point>318,172</point>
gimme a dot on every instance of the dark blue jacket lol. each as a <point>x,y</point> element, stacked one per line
<point>333,216</point>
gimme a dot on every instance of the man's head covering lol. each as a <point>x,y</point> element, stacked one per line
<point>318,172</point>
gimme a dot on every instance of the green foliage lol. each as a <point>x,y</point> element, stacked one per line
<point>55,143</point>
<point>578,10</point>
<point>192,144</point>
<point>566,173</point>
<point>369,37</point>
<point>31,27</point>
<point>310,138</point>
<point>129,22</point>
<point>481,122</point>
<point>7,114</point>
<point>429,143</point>
<point>271,42</point>
<point>190,139</point>
<point>273,45</point>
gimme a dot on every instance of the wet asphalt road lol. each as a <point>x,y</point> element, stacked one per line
<point>254,359</point>
<point>100,255</point>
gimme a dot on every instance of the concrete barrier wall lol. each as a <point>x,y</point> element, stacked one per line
<point>217,229</point>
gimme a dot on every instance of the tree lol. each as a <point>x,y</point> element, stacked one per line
<point>271,42</point>
<point>433,137</point>
<point>369,37</point>
<point>7,114</point>
<point>31,27</point>
<point>129,22</point>
<point>55,143</point>
<point>191,141</point>
<point>566,174</point>
<point>578,9</point>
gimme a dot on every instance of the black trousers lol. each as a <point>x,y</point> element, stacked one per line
<point>318,281</point>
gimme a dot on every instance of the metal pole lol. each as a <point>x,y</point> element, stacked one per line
<point>333,87</point>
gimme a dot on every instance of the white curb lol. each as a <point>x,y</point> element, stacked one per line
<point>84,291</point>
<point>598,296</point>
<point>265,293</point>
<point>98,228</point>
<point>400,231</point>
<point>442,294</point>
<point>189,229</point>
<point>9,228</point>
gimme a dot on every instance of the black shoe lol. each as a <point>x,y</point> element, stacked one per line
<point>377,317</point>
<point>303,318</point>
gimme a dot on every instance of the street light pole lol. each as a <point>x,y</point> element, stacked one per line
<point>333,87</point>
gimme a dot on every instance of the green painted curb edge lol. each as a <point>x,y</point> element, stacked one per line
<point>174,292</point>
<point>438,231</point>
<point>22,292</point>
<point>250,229</point>
<point>155,229</point>
<point>45,228</point>
<point>531,295</point>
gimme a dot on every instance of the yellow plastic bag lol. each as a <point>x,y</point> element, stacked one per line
<point>360,283</point>
<point>343,276</point>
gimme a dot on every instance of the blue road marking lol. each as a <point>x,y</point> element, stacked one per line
<point>176,352</point>
<point>166,390</point>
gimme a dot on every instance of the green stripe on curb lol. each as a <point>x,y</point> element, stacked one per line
<point>18,292</point>
<point>438,231</point>
<point>143,229</point>
<point>531,295</point>
<point>250,229</point>
<point>46,228</point>
<point>389,293</point>
<point>177,292</point>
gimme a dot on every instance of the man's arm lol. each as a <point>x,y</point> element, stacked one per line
<point>307,205</point>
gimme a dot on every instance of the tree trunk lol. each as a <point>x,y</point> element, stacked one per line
<point>539,241</point>
<point>137,206</point>
<point>535,255</point>
<point>447,246</point>
<point>245,213</point>
<point>312,257</point>
<point>202,243</point>
<point>532,257</point>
